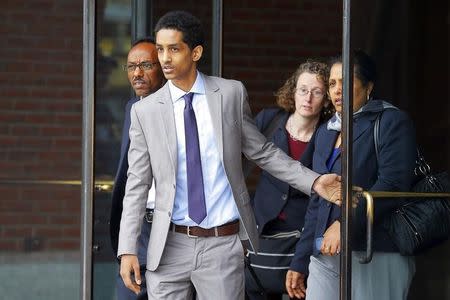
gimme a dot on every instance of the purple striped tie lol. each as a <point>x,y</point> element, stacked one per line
<point>196,194</point>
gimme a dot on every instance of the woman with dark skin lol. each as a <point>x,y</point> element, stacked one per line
<point>319,246</point>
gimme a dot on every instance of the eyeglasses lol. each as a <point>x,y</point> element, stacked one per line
<point>316,93</point>
<point>144,66</point>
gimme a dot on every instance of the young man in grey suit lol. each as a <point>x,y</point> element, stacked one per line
<point>202,210</point>
<point>145,76</point>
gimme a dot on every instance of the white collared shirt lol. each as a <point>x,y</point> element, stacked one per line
<point>220,205</point>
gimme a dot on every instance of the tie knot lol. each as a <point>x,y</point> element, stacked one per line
<point>188,98</point>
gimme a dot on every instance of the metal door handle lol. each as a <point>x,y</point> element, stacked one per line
<point>100,185</point>
<point>369,232</point>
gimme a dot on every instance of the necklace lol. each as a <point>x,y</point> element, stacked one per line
<point>290,130</point>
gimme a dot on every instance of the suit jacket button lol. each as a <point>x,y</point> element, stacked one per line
<point>284,197</point>
<point>170,214</point>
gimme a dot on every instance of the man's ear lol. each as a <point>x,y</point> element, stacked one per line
<point>197,53</point>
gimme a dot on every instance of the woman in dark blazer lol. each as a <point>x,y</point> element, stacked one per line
<point>389,274</point>
<point>279,208</point>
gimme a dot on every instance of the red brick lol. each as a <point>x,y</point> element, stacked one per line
<point>39,119</point>
<point>16,206</point>
<point>64,143</point>
<point>48,232</point>
<point>69,118</point>
<point>74,204</point>
<point>65,220</point>
<point>8,218</point>
<point>9,245</point>
<point>24,130</point>
<point>23,156</point>
<point>16,232</point>
<point>28,105</point>
<point>49,205</point>
<point>8,140</point>
<point>63,244</point>
<point>35,192</point>
<point>8,192</point>
<point>72,232</point>
<point>71,94</point>
<point>54,131</point>
<point>34,142</point>
<point>15,92</point>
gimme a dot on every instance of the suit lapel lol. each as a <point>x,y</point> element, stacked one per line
<point>167,118</point>
<point>214,99</point>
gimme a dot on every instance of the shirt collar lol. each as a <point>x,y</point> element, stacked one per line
<point>197,88</point>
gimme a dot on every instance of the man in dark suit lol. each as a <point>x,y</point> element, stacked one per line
<point>145,76</point>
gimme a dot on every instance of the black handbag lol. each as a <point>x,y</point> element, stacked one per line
<point>266,271</point>
<point>421,223</point>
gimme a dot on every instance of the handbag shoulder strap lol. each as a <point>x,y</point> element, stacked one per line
<point>422,167</point>
<point>376,134</point>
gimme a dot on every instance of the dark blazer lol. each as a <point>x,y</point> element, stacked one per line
<point>392,172</point>
<point>120,180</point>
<point>272,194</point>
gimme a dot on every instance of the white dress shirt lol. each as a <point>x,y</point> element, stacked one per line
<point>220,205</point>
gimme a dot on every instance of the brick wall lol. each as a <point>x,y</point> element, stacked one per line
<point>263,45</point>
<point>40,122</point>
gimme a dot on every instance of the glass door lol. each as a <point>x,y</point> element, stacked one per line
<point>401,38</point>
<point>40,152</point>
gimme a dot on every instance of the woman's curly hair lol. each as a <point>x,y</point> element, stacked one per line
<point>286,94</point>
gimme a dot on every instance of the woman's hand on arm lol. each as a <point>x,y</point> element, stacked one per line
<point>331,244</point>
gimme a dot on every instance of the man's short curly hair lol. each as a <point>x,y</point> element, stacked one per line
<point>286,94</point>
<point>190,26</point>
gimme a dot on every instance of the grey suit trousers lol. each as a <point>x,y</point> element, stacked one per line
<point>214,266</point>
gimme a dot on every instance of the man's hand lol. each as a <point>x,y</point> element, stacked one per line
<point>328,186</point>
<point>331,244</point>
<point>129,265</point>
<point>295,284</point>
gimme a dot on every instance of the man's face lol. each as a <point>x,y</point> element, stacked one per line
<point>178,61</point>
<point>144,71</point>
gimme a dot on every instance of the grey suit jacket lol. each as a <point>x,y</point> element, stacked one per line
<point>153,155</point>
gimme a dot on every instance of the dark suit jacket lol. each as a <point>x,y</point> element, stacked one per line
<point>392,172</point>
<point>120,180</point>
<point>272,194</point>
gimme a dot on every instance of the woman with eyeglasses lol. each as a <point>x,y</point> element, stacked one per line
<point>389,274</point>
<point>279,208</point>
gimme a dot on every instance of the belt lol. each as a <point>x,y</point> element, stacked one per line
<point>195,231</point>
<point>148,217</point>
